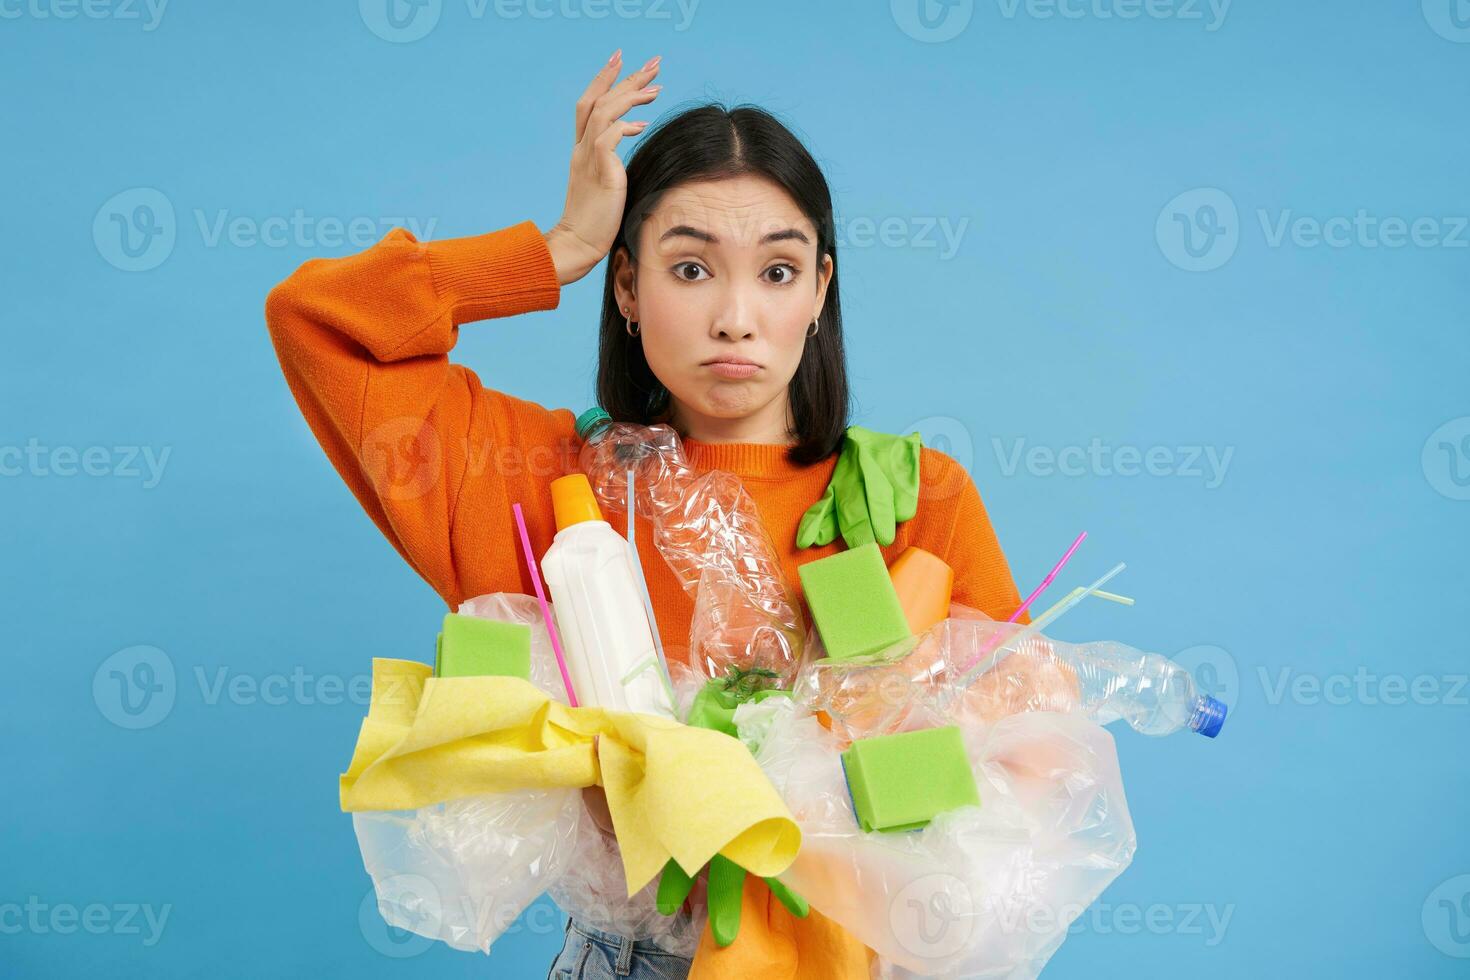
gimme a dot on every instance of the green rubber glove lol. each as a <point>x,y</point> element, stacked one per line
<point>726,885</point>
<point>875,485</point>
<point>714,708</point>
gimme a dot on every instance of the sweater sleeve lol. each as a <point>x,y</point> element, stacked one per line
<point>364,341</point>
<point>982,576</point>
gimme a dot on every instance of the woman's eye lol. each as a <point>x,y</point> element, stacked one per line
<point>789,277</point>
<point>786,273</point>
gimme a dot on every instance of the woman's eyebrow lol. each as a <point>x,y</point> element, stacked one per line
<point>686,231</point>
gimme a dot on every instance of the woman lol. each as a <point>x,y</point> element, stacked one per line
<point>720,317</point>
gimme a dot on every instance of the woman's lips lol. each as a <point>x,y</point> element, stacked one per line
<point>732,369</point>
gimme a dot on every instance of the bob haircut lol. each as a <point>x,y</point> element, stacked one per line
<point>711,142</point>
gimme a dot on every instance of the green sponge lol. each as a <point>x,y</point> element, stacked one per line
<point>853,602</point>
<point>900,782</point>
<point>473,647</point>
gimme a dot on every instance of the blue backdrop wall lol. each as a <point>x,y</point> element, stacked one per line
<point>1188,275</point>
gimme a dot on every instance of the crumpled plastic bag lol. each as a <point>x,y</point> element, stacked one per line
<point>984,891</point>
<point>463,871</point>
<point>594,890</point>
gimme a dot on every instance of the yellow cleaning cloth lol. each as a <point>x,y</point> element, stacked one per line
<point>673,791</point>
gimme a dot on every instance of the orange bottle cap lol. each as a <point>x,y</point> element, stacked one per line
<point>572,501</point>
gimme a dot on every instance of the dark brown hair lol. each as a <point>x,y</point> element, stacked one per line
<point>711,142</point>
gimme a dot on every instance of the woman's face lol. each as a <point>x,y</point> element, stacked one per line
<point>726,287</point>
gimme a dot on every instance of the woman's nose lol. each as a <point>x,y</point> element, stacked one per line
<point>736,317</point>
<point>731,331</point>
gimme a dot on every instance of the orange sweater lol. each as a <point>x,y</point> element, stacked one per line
<point>437,459</point>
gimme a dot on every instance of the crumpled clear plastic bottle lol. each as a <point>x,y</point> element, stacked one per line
<point>968,668</point>
<point>708,529</point>
<point>1113,681</point>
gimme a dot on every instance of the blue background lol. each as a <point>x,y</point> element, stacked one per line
<point>1333,547</point>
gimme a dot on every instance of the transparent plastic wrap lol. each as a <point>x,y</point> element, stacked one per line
<point>464,870</point>
<point>984,891</point>
<point>595,891</point>
<point>970,669</point>
<point>708,529</point>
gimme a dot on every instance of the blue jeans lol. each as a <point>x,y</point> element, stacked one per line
<point>591,954</point>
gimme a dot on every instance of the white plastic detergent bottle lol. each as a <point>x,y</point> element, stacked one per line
<point>605,634</point>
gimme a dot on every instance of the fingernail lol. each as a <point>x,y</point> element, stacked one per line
<point>615,56</point>
<point>651,62</point>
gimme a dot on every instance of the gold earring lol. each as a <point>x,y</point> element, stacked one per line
<point>628,324</point>
<point>816,325</point>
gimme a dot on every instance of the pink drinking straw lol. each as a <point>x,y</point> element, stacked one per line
<point>561,661</point>
<point>1050,578</point>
